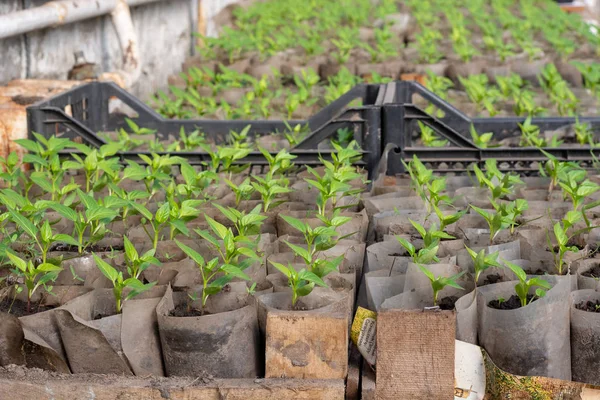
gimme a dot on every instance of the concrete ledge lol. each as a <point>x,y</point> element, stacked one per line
<point>40,385</point>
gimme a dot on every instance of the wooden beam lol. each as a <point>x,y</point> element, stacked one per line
<point>39,385</point>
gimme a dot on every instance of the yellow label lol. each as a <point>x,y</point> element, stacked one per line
<point>364,333</point>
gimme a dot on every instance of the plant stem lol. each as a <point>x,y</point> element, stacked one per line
<point>155,239</point>
<point>294,297</point>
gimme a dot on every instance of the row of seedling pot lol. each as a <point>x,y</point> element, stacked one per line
<point>166,270</point>
<point>514,257</point>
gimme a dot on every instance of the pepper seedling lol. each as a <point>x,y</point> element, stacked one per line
<point>482,261</point>
<point>425,255</point>
<point>301,282</point>
<point>120,283</point>
<point>270,189</point>
<point>449,219</point>
<point>577,187</point>
<point>439,283</point>
<point>92,221</point>
<point>555,170</point>
<point>10,171</point>
<point>43,237</point>
<point>245,224</point>
<point>522,288</point>
<point>137,264</point>
<point>317,240</point>
<point>431,236</point>
<point>481,140</point>
<point>33,276</point>
<point>243,191</point>
<point>562,238</point>
<point>496,221</point>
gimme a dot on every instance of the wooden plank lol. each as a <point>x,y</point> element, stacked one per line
<point>415,354</point>
<point>367,382</point>
<point>38,385</point>
<point>353,380</point>
<point>306,345</point>
<point>201,30</point>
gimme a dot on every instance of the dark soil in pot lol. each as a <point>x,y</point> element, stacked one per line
<point>18,308</point>
<point>90,249</point>
<point>538,271</point>
<point>183,310</point>
<point>593,272</point>
<point>511,304</point>
<point>447,303</point>
<point>491,279</point>
<point>590,306</point>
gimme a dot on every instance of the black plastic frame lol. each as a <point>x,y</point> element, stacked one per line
<point>83,111</point>
<point>385,120</point>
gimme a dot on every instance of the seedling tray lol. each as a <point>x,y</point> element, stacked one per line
<point>384,122</point>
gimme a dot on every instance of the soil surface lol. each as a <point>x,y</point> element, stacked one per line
<point>593,272</point>
<point>538,271</point>
<point>491,279</point>
<point>182,310</point>
<point>447,303</point>
<point>90,249</point>
<point>591,306</point>
<point>511,304</point>
<point>102,315</point>
<point>19,308</point>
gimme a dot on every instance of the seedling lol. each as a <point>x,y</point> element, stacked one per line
<point>317,240</point>
<point>522,288</point>
<point>425,255</point>
<point>195,183</point>
<point>33,276</point>
<point>157,170</point>
<point>228,263</point>
<point>270,190</point>
<point>501,185</point>
<point>43,237</point>
<point>187,142</point>
<point>555,170</point>
<point>577,187</point>
<point>137,130</point>
<point>495,220</point>
<point>245,224</point>
<point>11,172</point>
<point>91,221</point>
<point>120,284</point>
<point>215,275</point>
<point>449,219</point>
<point>558,90</point>
<point>280,164</point>
<point>431,236</point>
<point>429,138</point>
<point>584,133</point>
<point>243,191</point>
<point>301,282</point>
<point>481,261</point>
<point>171,215</point>
<point>530,134</point>
<point>480,93</point>
<point>562,238</point>
<point>481,140</point>
<point>439,283</point>
<point>137,264</point>
<point>94,162</point>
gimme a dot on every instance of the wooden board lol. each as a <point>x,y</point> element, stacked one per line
<point>306,345</point>
<point>415,355</point>
<point>37,385</point>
